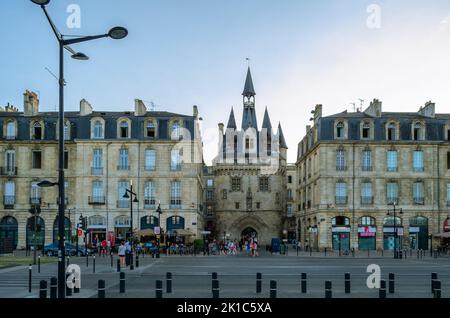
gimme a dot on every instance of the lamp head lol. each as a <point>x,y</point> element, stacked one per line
<point>80,56</point>
<point>135,200</point>
<point>118,33</point>
<point>46,184</point>
<point>126,196</point>
<point>41,2</point>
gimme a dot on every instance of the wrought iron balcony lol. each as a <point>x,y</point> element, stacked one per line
<point>9,201</point>
<point>392,200</point>
<point>96,200</point>
<point>97,171</point>
<point>123,204</point>
<point>366,168</point>
<point>366,200</point>
<point>341,200</point>
<point>341,168</point>
<point>35,201</point>
<point>8,171</point>
<point>123,167</point>
<point>149,203</point>
<point>419,200</point>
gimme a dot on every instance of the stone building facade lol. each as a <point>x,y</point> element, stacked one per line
<point>158,153</point>
<point>354,168</point>
<point>249,177</point>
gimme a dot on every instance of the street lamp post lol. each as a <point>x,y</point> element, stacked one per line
<point>114,33</point>
<point>159,211</point>
<point>135,200</point>
<point>393,211</point>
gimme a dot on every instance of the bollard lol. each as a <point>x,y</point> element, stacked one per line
<point>157,255</point>
<point>382,291</point>
<point>76,290</point>
<point>258,283</point>
<point>391,283</point>
<point>437,289</point>
<point>93,264</point>
<point>215,288</point>
<point>111,255</point>
<point>168,282</point>
<point>347,283</point>
<point>122,282</point>
<point>137,261</point>
<point>158,290</point>
<point>310,251</point>
<point>213,277</point>
<point>405,252</point>
<point>29,278</point>
<point>328,293</point>
<point>68,261</point>
<point>303,283</point>
<point>68,290</point>
<point>101,288</point>
<point>325,250</point>
<point>43,289</point>
<point>118,265</point>
<point>53,287</point>
<point>273,289</point>
<point>87,260</point>
<point>39,264</point>
<point>434,278</point>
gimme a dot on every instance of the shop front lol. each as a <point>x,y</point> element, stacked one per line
<point>35,232</point>
<point>418,233</point>
<point>367,233</point>
<point>340,233</point>
<point>122,228</point>
<point>392,240</point>
<point>96,229</point>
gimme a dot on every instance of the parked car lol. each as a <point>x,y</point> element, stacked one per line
<point>71,250</point>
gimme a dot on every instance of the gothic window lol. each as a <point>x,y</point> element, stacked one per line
<point>235,184</point>
<point>264,184</point>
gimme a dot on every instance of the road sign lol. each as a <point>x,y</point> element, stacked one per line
<point>157,230</point>
<point>80,232</point>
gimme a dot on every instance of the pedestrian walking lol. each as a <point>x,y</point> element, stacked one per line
<point>122,251</point>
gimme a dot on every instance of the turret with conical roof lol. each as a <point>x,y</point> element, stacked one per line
<point>266,121</point>
<point>248,88</point>
<point>249,115</point>
<point>281,139</point>
<point>231,121</point>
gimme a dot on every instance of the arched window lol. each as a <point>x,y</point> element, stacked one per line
<point>340,221</point>
<point>340,130</point>
<point>98,130</point>
<point>124,129</point>
<point>9,229</point>
<point>37,131</point>
<point>11,130</point>
<point>418,131</point>
<point>176,131</point>
<point>35,232</point>
<point>175,223</point>
<point>67,230</point>
<point>389,221</point>
<point>150,129</point>
<point>391,131</point>
<point>365,130</point>
<point>367,221</point>
<point>149,222</point>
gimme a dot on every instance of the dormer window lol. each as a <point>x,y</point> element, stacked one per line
<point>340,130</point>
<point>150,130</point>
<point>176,131</point>
<point>67,131</point>
<point>123,129</point>
<point>418,132</point>
<point>11,130</point>
<point>37,131</point>
<point>98,130</point>
<point>366,130</point>
<point>392,131</point>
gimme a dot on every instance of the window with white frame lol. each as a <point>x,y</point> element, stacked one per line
<point>418,161</point>
<point>367,160</point>
<point>10,193</point>
<point>98,130</point>
<point>121,190</point>
<point>150,129</point>
<point>340,126</point>
<point>175,194</point>
<point>365,131</point>
<point>150,159</point>
<point>418,192</point>
<point>97,191</point>
<point>391,131</point>
<point>366,193</point>
<point>340,160</point>
<point>11,130</point>
<point>176,131</point>
<point>67,131</point>
<point>35,193</point>
<point>124,129</point>
<point>392,160</point>
<point>149,194</point>
<point>289,211</point>
<point>418,131</point>
<point>175,159</point>
<point>392,192</point>
<point>341,193</point>
<point>123,159</point>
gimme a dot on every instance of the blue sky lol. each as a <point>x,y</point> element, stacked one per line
<point>181,53</point>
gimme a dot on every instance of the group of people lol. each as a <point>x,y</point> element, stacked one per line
<point>231,247</point>
<point>102,247</point>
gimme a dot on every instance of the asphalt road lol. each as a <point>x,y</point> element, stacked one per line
<point>237,276</point>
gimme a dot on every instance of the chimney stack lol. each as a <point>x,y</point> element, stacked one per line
<point>139,108</point>
<point>85,108</point>
<point>30,103</point>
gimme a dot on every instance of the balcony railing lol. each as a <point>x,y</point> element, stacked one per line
<point>392,169</point>
<point>289,198</point>
<point>341,168</point>
<point>10,137</point>
<point>96,200</point>
<point>123,167</point>
<point>9,201</point>
<point>419,200</point>
<point>123,204</point>
<point>366,168</point>
<point>391,200</point>
<point>175,203</point>
<point>149,203</point>
<point>366,200</point>
<point>341,200</point>
<point>8,171</point>
<point>150,168</point>
<point>97,171</point>
<point>35,201</point>
<point>418,169</point>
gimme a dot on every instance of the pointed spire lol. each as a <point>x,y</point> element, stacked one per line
<point>248,88</point>
<point>266,121</point>
<point>231,120</point>
<point>282,141</point>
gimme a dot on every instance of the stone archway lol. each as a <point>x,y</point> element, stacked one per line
<point>263,230</point>
<point>249,233</point>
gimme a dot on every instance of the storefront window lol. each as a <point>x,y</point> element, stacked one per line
<point>341,233</point>
<point>367,232</point>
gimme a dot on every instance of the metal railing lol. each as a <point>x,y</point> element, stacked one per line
<point>149,203</point>
<point>9,201</point>
<point>123,167</point>
<point>366,200</point>
<point>123,204</point>
<point>419,200</point>
<point>341,200</point>
<point>96,200</point>
<point>8,171</point>
<point>97,171</point>
<point>341,168</point>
